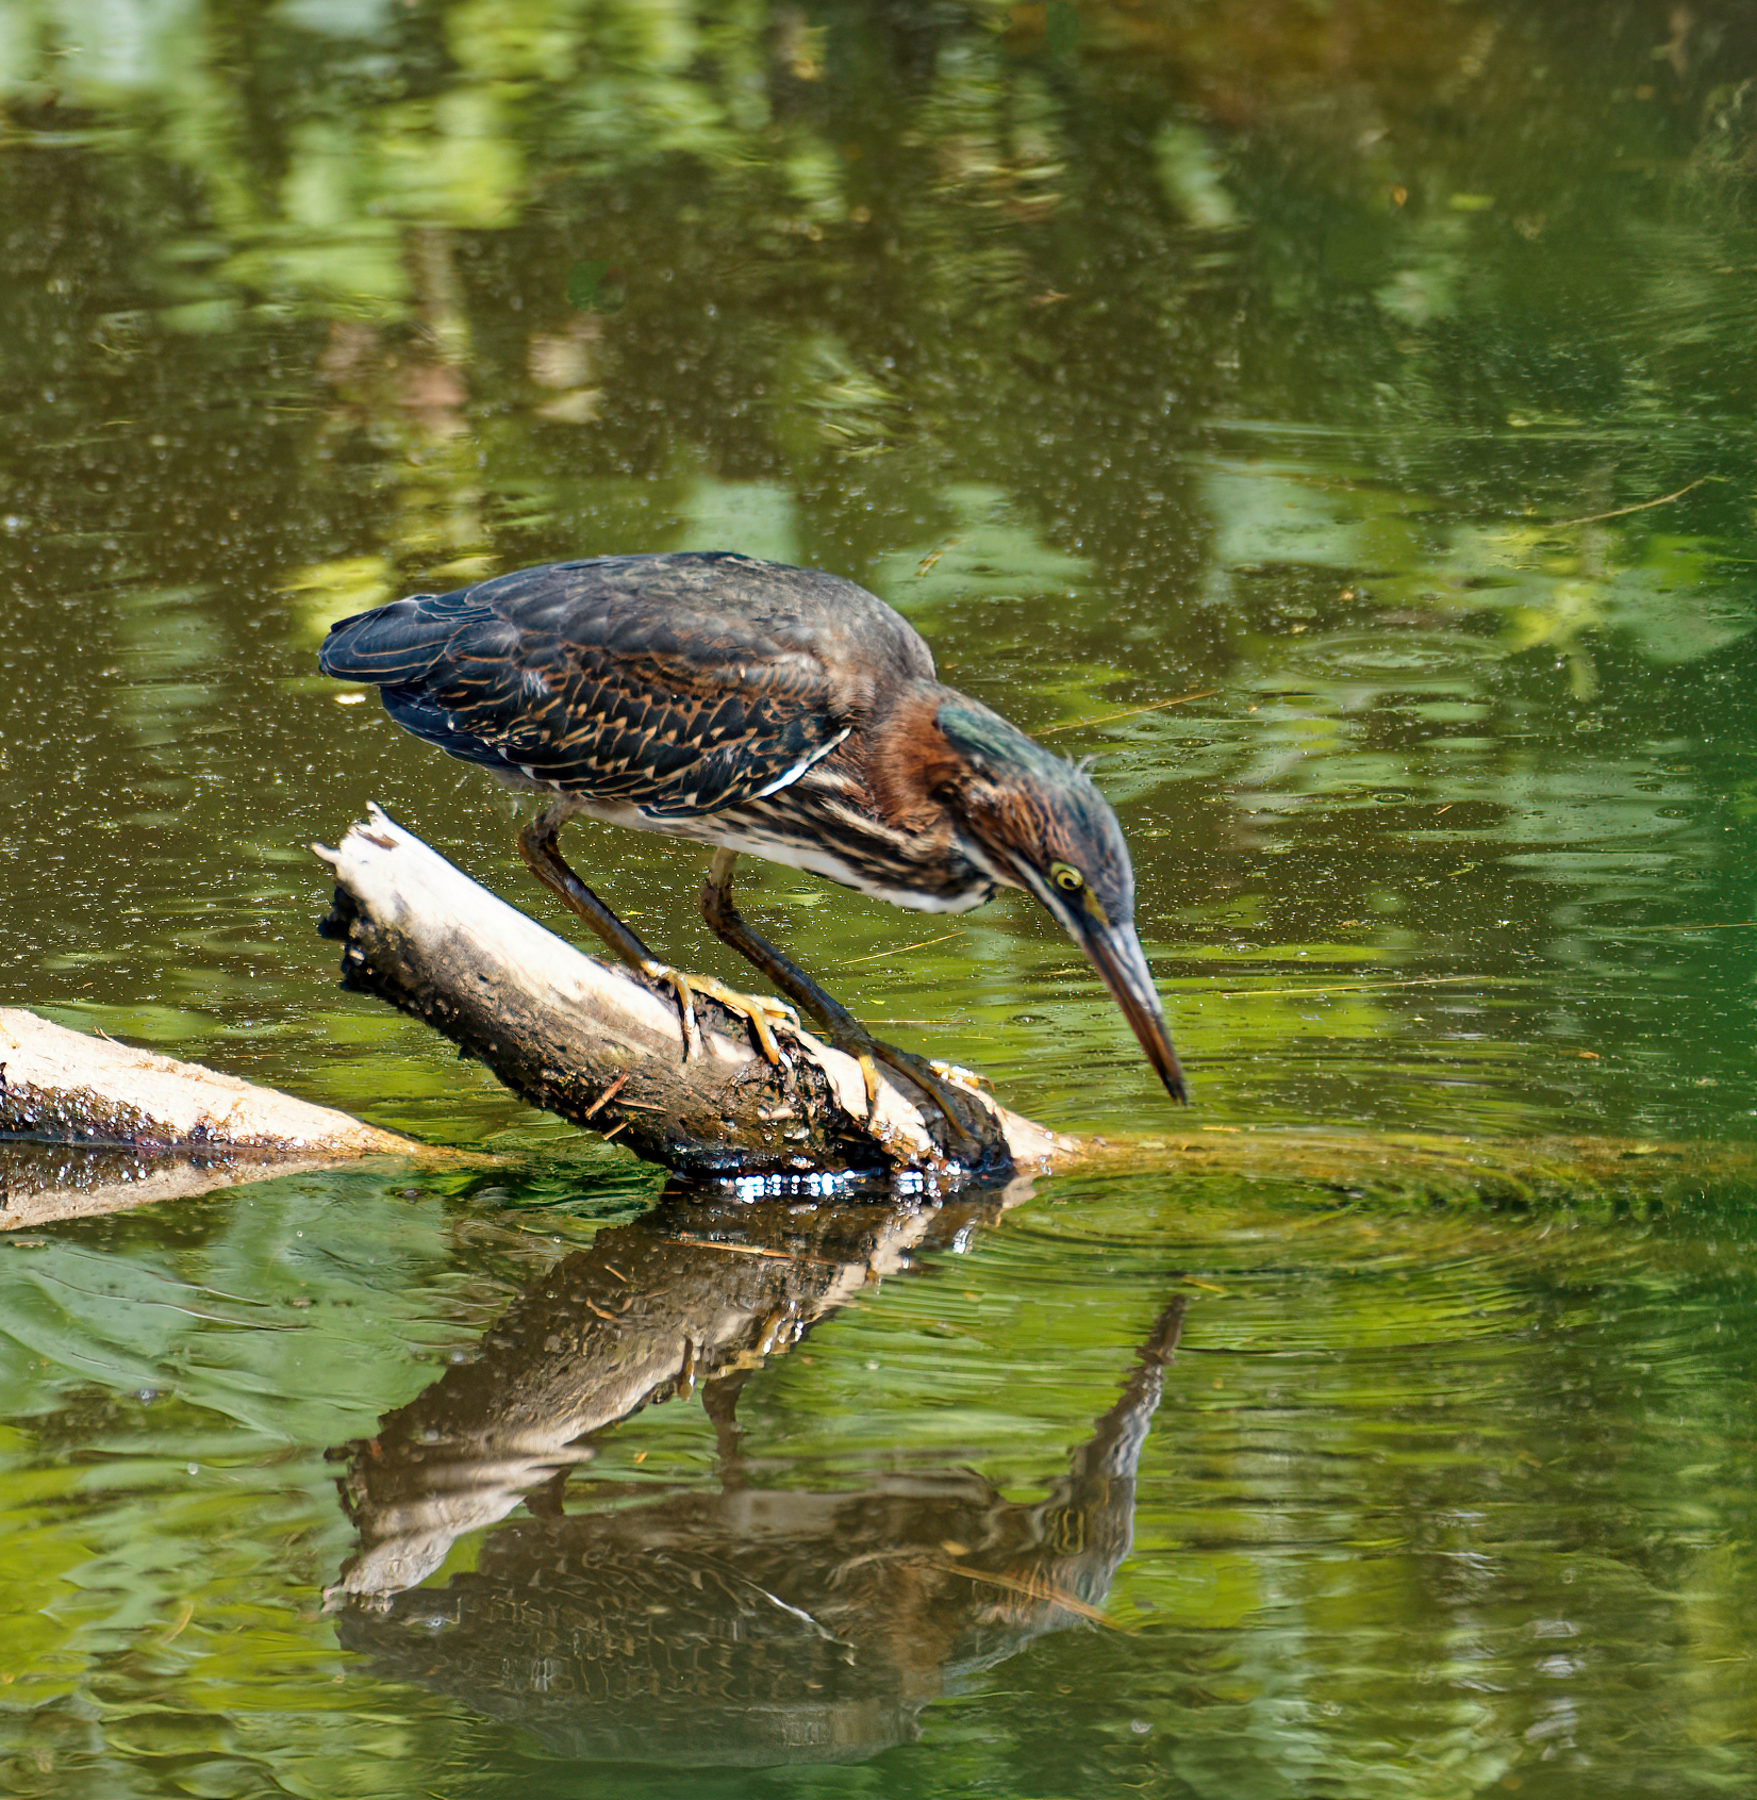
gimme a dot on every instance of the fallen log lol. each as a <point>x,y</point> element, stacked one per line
<point>88,1124</point>
<point>600,1047</point>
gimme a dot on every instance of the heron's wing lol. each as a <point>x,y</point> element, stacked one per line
<point>652,681</point>
<point>669,734</point>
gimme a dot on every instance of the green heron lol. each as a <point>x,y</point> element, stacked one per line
<point>763,710</point>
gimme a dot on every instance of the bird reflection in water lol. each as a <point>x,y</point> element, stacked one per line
<point>746,1626</point>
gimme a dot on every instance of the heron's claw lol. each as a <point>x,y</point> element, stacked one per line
<point>760,1011</point>
<point>964,1078</point>
<point>869,1052</point>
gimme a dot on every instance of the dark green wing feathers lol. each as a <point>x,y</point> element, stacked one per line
<point>622,679</point>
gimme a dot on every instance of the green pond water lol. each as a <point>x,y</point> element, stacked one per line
<point>1372,383</point>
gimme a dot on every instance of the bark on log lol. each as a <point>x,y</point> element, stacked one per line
<point>88,1125</point>
<point>598,1046</point>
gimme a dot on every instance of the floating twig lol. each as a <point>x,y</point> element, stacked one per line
<point>731,1249</point>
<point>1132,712</point>
<point>919,944</point>
<point>1640,506</point>
<point>1368,987</point>
<point>1715,925</point>
<point>1036,1589</point>
<point>925,566</point>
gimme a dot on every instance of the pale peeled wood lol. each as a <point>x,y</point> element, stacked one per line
<point>99,1125</point>
<point>66,1087</point>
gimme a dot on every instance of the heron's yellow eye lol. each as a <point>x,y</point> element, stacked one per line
<point>1066,877</point>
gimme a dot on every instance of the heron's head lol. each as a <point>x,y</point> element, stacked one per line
<point>1033,820</point>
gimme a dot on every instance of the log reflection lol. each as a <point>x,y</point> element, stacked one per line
<point>753,1626</point>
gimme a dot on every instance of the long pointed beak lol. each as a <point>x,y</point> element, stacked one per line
<point>1115,952</point>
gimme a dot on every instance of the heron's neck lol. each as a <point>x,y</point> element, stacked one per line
<point>909,762</point>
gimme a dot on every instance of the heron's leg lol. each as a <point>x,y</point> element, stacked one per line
<point>846,1032</point>
<point>720,1403</point>
<point>728,924</point>
<point>540,846</point>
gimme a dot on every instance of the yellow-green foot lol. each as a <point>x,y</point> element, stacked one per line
<point>761,1012</point>
<point>936,1080</point>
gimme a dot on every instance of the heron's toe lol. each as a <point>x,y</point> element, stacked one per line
<point>762,1012</point>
